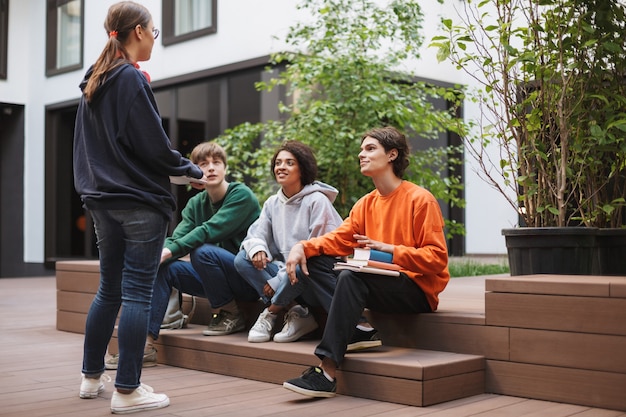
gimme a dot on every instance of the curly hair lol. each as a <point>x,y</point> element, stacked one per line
<point>305,157</point>
<point>391,138</point>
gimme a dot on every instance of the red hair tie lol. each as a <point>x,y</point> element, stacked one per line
<point>113,34</point>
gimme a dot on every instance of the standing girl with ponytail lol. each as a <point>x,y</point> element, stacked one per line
<point>122,162</point>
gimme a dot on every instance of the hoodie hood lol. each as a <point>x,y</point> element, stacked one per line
<point>108,80</point>
<point>316,186</point>
<point>286,221</point>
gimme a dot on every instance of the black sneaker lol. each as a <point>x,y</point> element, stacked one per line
<point>312,383</point>
<point>363,340</point>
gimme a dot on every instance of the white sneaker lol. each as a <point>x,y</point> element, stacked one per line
<point>147,387</point>
<point>262,329</point>
<point>138,400</point>
<point>91,387</point>
<point>298,322</point>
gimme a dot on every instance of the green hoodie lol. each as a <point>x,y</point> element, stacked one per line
<point>223,223</point>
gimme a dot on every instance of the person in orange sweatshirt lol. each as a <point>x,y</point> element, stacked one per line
<point>399,218</point>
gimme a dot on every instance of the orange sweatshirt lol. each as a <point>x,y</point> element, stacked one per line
<point>410,219</point>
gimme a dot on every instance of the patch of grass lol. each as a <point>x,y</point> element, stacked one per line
<point>470,268</point>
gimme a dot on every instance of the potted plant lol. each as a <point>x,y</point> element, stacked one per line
<point>552,94</point>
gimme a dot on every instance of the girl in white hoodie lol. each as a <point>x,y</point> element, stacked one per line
<point>300,210</point>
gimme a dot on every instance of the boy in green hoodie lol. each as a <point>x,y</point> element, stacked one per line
<point>214,223</point>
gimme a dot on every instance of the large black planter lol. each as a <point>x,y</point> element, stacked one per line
<point>551,250</point>
<point>611,252</point>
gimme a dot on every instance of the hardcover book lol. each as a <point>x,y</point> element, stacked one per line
<point>372,255</point>
<point>370,261</point>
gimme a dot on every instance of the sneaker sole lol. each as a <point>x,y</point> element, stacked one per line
<point>89,395</point>
<point>141,407</point>
<point>308,392</point>
<point>219,333</point>
<point>366,344</point>
<point>258,339</point>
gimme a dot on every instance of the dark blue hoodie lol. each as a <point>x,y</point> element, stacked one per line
<point>122,156</point>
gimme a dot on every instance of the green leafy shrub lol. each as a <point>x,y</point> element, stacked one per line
<point>342,79</point>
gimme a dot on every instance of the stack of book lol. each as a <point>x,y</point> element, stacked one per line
<point>370,261</point>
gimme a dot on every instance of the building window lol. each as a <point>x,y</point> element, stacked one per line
<point>188,19</point>
<point>64,36</point>
<point>4,37</point>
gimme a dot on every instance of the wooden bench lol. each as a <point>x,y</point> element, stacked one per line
<point>403,375</point>
<point>406,376</point>
<point>77,283</point>
<point>547,337</point>
<point>567,338</point>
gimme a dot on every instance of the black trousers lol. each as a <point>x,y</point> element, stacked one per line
<point>356,291</point>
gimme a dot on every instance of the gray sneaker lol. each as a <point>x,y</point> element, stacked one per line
<point>149,359</point>
<point>224,323</point>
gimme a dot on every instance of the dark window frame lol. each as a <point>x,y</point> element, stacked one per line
<point>52,26</point>
<point>169,17</point>
<point>4,38</point>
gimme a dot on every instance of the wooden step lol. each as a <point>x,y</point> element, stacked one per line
<point>549,337</point>
<point>583,304</point>
<point>567,338</point>
<point>403,375</point>
<point>400,375</point>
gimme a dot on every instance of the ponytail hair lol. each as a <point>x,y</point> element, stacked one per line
<point>120,22</point>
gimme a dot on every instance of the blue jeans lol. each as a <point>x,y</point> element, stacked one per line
<point>221,281</point>
<point>210,274</point>
<point>256,278</point>
<point>130,244</point>
<point>176,274</point>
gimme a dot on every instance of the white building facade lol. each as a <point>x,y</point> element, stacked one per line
<point>37,103</point>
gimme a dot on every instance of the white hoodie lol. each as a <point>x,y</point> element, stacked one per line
<point>286,221</point>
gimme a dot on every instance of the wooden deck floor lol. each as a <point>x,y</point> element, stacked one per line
<point>40,373</point>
